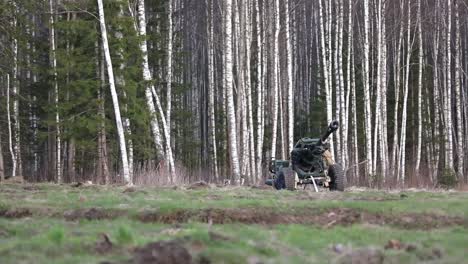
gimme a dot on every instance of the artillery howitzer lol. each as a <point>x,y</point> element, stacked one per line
<point>311,163</point>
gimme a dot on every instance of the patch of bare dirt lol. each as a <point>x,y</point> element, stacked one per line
<point>262,187</point>
<point>31,187</point>
<point>91,214</point>
<point>15,213</point>
<point>162,252</point>
<point>377,255</point>
<point>368,255</point>
<point>198,185</point>
<point>104,244</point>
<point>326,218</point>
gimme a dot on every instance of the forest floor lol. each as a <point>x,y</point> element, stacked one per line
<point>45,223</point>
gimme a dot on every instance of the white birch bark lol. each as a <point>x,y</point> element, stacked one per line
<point>384,123</point>
<point>115,100</point>
<point>169,72</point>
<point>274,81</point>
<point>402,156</point>
<point>420,76</point>
<point>10,135</point>
<point>338,84</point>
<point>289,64</point>
<point>448,93</point>
<point>248,86</point>
<point>53,60</point>
<point>329,52</point>
<point>260,91</point>
<point>366,84</point>
<point>147,78</point>
<point>15,92</point>
<point>228,82</point>
<point>211,88</point>
<point>166,135</point>
<point>326,68</point>
<point>344,98</point>
<point>120,82</point>
<point>378,84</point>
<point>458,95</point>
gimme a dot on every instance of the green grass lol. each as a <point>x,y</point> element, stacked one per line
<point>46,237</point>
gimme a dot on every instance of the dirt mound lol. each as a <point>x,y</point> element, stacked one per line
<point>162,252</point>
<point>15,213</point>
<point>91,214</point>
<point>326,218</point>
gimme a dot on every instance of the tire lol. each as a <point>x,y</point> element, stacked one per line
<point>279,180</point>
<point>336,174</point>
<point>290,181</point>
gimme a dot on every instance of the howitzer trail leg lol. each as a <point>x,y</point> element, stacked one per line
<point>315,184</point>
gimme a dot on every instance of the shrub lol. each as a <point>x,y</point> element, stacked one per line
<point>448,179</point>
<point>124,235</point>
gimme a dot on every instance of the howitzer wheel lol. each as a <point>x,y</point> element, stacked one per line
<point>290,179</point>
<point>336,174</point>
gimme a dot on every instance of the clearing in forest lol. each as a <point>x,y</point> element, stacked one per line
<point>43,223</point>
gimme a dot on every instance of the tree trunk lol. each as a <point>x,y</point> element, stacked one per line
<point>169,76</point>
<point>10,134</point>
<point>150,89</point>
<point>367,98</point>
<point>274,80</point>
<point>458,95</point>
<point>115,100</point>
<point>53,61</point>
<point>437,99</point>
<point>289,65</point>
<point>448,93</point>
<point>260,90</point>
<point>402,159</point>
<point>420,77</point>
<point>211,89</point>
<point>228,83</point>
<point>15,92</point>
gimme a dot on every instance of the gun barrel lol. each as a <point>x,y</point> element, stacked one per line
<point>332,127</point>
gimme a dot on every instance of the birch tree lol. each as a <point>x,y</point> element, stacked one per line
<point>458,94</point>
<point>274,78</point>
<point>228,82</point>
<point>211,88</point>
<point>448,92</point>
<point>115,100</point>
<point>402,156</point>
<point>420,76</point>
<point>260,90</point>
<point>10,136</point>
<point>150,91</point>
<point>289,79</point>
<point>169,74</point>
<point>53,61</point>
<point>367,102</point>
<point>15,92</point>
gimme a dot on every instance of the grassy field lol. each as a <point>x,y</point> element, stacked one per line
<point>45,223</point>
